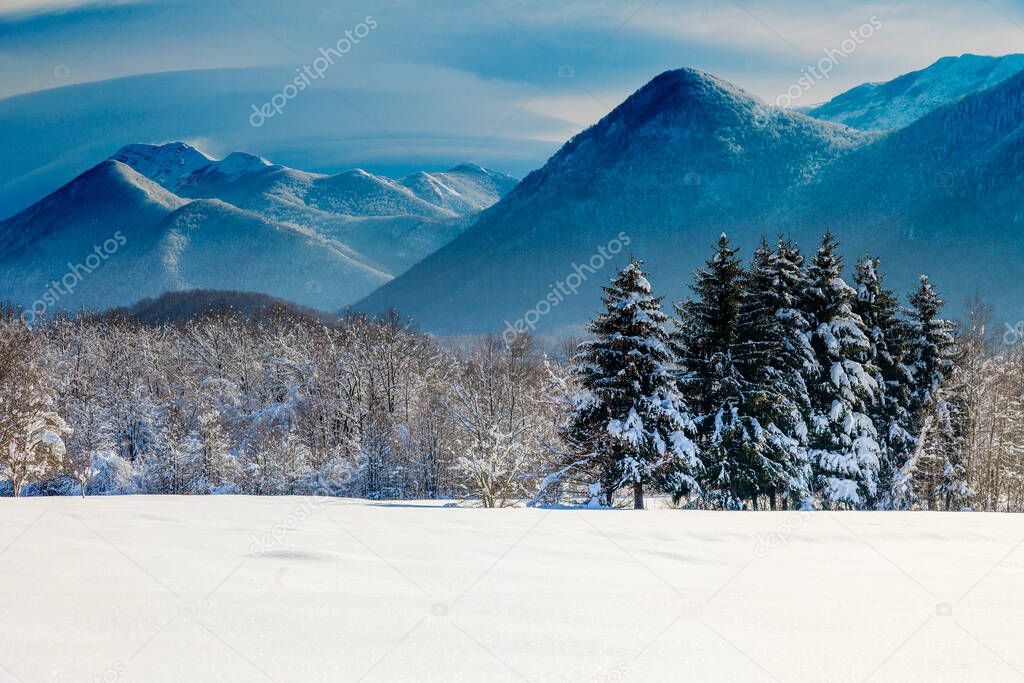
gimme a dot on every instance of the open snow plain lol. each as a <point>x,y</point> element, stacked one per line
<point>223,589</point>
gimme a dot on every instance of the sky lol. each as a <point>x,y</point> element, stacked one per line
<point>416,83</point>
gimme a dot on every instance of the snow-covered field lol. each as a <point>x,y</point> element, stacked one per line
<point>300,589</point>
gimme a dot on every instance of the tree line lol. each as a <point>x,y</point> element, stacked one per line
<point>776,384</point>
<point>273,404</point>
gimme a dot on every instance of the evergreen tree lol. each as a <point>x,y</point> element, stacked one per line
<point>933,405</point>
<point>727,333</point>
<point>789,287</point>
<point>704,344</point>
<point>630,420</point>
<point>932,345</point>
<point>843,440</point>
<point>773,352</point>
<point>888,335</point>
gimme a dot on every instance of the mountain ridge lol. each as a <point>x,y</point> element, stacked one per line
<point>721,165</point>
<point>897,103</point>
<point>188,208</point>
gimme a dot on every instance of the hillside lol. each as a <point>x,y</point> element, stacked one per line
<point>683,156</point>
<point>182,306</point>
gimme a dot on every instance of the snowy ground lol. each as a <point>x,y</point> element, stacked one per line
<point>199,589</point>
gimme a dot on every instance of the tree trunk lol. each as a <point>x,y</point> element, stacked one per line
<point>638,496</point>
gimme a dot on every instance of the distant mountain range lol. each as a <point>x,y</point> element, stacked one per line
<point>925,171</point>
<point>188,220</point>
<point>689,155</point>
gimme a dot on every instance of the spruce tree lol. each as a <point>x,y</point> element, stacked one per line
<point>931,346</point>
<point>629,420</point>
<point>933,405</point>
<point>888,335</point>
<point>773,352</point>
<point>712,383</point>
<point>843,441</point>
<point>789,287</point>
<point>725,337</point>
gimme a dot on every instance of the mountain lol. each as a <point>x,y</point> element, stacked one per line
<point>683,152</point>
<point>688,156</point>
<point>112,236</point>
<point>209,244</point>
<point>387,224</point>
<point>900,102</point>
<point>943,196</point>
<point>88,210</point>
<point>190,221</point>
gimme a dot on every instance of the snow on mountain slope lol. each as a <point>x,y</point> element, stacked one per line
<point>157,242</point>
<point>234,166</point>
<point>161,242</point>
<point>233,588</point>
<point>900,102</point>
<point>390,224</point>
<point>167,165</point>
<point>87,211</point>
<point>91,238</point>
<point>209,244</point>
<point>459,192</point>
<point>464,190</point>
<point>240,223</point>
<point>358,193</point>
<point>687,157</point>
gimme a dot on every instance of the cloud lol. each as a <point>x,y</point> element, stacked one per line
<point>389,120</point>
<point>449,76</point>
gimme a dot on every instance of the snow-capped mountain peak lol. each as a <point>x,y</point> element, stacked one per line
<point>237,223</point>
<point>167,164</point>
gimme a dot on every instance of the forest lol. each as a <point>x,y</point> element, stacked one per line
<point>776,384</point>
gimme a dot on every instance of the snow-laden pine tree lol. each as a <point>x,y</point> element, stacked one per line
<point>789,286</point>
<point>773,354</point>
<point>704,343</point>
<point>629,420</point>
<point>725,334</point>
<point>936,471</point>
<point>843,440</point>
<point>889,335</point>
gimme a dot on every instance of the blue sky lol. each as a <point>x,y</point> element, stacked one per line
<point>434,83</point>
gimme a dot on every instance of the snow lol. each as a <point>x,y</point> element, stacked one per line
<point>630,430</point>
<point>169,165</point>
<point>360,230</point>
<point>225,588</point>
<point>901,101</point>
